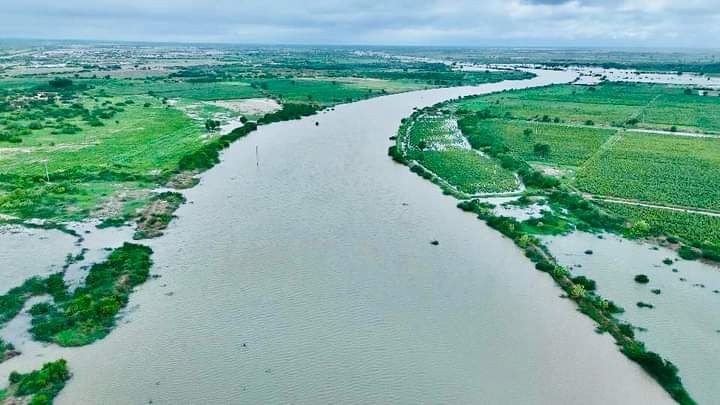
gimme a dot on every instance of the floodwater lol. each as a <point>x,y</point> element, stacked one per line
<point>308,277</point>
<point>684,325</point>
<point>20,258</point>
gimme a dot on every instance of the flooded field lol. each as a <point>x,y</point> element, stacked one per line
<point>683,322</point>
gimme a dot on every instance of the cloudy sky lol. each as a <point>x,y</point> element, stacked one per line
<point>671,23</point>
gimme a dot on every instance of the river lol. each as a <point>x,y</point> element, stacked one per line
<point>310,278</point>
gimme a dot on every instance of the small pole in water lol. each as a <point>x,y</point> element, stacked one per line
<point>257,156</point>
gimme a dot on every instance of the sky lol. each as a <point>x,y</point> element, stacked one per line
<point>617,23</point>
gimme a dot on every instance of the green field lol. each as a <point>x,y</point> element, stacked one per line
<point>569,146</point>
<point>661,169</point>
<point>702,230</point>
<point>93,143</point>
<point>438,145</point>
<point>649,106</point>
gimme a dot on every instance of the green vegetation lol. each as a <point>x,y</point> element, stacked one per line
<point>694,230</point>
<point>13,301</point>
<point>38,387</point>
<point>290,111</point>
<point>663,169</point>
<point>542,135</point>
<point>436,144</point>
<point>89,313</point>
<point>93,144</point>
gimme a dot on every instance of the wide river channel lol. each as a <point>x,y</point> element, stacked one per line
<point>308,277</point>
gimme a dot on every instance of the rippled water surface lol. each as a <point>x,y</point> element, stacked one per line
<point>684,324</point>
<point>309,278</point>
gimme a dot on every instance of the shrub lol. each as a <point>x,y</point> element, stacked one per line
<point>689,253</point>
<point>665,372</point>
<point>587,283</point>
<point>60,83</point>
<point>44,384</point>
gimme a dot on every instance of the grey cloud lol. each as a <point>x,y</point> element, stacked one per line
<point>449,22</point>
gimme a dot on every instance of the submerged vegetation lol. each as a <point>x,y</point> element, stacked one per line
<point>89,313</point>
<point>581,290</point>
<point>7,350</point>
<point>79,317</point>
<point>156,216</point>
<point>38,387</point>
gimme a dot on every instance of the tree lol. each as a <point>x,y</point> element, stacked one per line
<point>212,125</point>
<point>541,149</point>
<point>60,83</point>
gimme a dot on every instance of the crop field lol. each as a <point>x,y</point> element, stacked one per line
<point>437,144</point>
<point>628,105</point>
<point>656,168</point>
<point>701,230</point>
<point>568,145</point>
<point>614,162</point>
<point>470,172</point>
<point>583,137</point>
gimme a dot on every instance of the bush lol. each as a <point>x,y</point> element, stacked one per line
<point>587,283</point>
<point>545,266</point>
<point>290,111</point>
<point>89,313</point>
<point>42,385</point>
<point>60,83</point>
<point>689,253</point>
<point>642,279</point>
<point>665,372</point>
<point>394,153</point>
